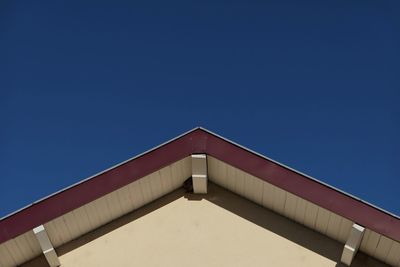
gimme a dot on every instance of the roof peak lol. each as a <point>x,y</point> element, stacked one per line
<point>199,140</point>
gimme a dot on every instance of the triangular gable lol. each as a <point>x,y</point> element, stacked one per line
<point>200,140</point>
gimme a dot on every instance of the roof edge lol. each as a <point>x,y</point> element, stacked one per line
<point>200,140</point>
<point>98,173</point>
<point>301,173</point>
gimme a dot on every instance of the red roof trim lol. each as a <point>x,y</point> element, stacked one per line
<point>199,141</point>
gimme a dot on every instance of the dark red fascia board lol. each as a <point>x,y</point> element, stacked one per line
<point>200,141</point>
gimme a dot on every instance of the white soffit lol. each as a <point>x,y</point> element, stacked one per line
<point>19,250</point>
<point>300,210</point>
<point>94,214</point>
<point>136,194</point>
<point>118,203</point>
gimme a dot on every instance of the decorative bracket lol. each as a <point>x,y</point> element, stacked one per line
<point>47,247</point>
<point>199,173</point>
<point>352,244</point>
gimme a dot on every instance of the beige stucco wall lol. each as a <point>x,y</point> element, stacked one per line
<point>219,229</point>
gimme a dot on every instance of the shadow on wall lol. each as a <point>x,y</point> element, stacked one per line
<point>248,210</point>
<point>284,227</point>
<point>90,236</point>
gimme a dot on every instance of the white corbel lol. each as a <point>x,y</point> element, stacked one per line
<point>353,243</point>
<point>199,173</point>
<point>47,247</point>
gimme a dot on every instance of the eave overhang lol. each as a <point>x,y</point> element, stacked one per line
<point>202,141</point>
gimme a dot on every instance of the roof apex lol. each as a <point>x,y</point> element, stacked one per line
<point>199,140</point>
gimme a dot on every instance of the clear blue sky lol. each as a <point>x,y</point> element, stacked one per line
<point>312,84</point>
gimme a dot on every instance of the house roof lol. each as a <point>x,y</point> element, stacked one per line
<point>200,140</point>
